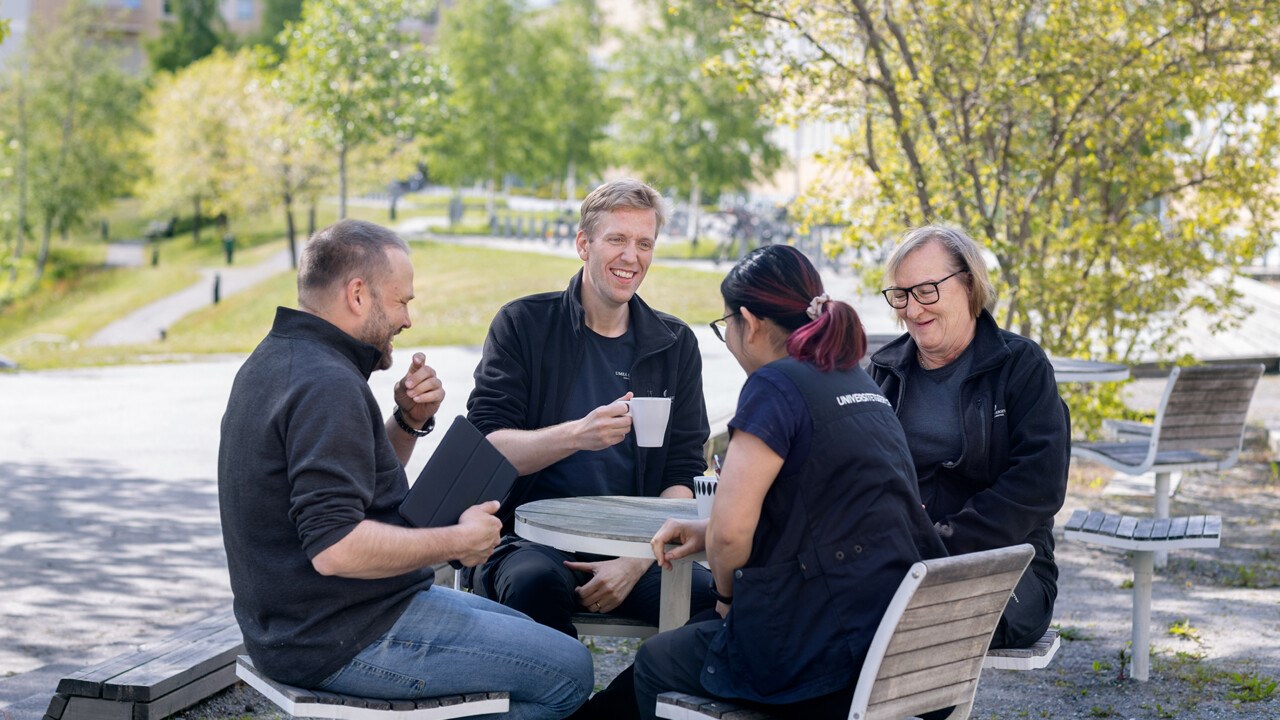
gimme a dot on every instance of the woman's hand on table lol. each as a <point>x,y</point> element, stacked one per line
<point>611,581</point>
<point>690,537</point>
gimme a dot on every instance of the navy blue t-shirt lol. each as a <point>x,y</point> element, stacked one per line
<point>772,408</point>
<point>930,413</point>
<point>605,376</point>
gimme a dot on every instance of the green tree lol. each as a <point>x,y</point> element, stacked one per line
<point>493,128</point>
<point>196,29</point>
<point>70,116</point>
<point>358,78</point>
<point>572,101</point>
<point>687,121</point>
<point>1118,159</point>
<point>276,14</point>
<point>196,151</point>
<point>287,163</point>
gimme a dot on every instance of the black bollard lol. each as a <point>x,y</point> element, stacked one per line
<point>217,288</point>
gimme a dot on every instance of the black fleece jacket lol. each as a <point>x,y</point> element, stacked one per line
<point>531,359</point>
<point>1011,477</point>
<point>304,457</point>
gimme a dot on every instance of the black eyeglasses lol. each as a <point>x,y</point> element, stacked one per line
<point>715,326</point>
<point>925,293</point>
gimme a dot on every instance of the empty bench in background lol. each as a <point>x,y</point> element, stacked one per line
<point>1144,537</point>
<point>156,681</point>
<point>315,703</point>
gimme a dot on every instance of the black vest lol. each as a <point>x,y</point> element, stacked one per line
<point>835,539</point>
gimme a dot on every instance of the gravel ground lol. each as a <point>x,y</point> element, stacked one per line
<point>1216,619</point>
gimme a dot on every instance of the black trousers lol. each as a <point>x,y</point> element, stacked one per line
<point>532,578</point>
<point>1029,612</point>
<point>672,662</point>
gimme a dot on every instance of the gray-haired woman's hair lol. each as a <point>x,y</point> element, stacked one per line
<point>965,255</point>
<point>616,194</point>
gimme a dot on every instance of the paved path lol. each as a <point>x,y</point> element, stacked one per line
<point>148,322</point>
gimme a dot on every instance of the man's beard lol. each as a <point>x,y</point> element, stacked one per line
<point>378,333</point>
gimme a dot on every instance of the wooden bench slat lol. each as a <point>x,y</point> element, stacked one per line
<point>1212,526</point>
<point>169,671</point>
<point>1076,521</point>
<point>1094,521</point>
<point>1109,525</point>
<point>1195,525</point>
<point>1128,525</point>
<point>89,681</point>
<point>185,696</point>
<point>300,702</point>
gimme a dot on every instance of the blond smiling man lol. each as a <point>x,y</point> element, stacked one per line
<point>546,394</point>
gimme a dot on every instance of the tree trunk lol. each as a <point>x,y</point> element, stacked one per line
<point>342,182</point>
<point>571,183</point>
<point>311,220</point>
<point>290,231</point>
<point>695,209</point>
<point>22,178</point>
<point>195,227</point>
<point>44,246</point>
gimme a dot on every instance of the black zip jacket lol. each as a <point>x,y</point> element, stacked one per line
<point>531,359</point>
<point>1011,477</point>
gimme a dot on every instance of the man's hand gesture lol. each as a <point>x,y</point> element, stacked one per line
<point>419,393</point>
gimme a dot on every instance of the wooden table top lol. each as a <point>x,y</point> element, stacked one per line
<point>608,525</point>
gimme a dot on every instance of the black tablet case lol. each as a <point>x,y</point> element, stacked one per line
<point>466,469</point>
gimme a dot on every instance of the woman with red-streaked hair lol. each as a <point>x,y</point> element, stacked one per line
<point>816,515</point>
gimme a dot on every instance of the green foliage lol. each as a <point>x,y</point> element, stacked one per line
<point>1070,633</point>
<point>1182,629</point>
<point>688,120</point>
<point>276,14</point>
<point>1118,159</point>
<point>67,118</point>
<point>1248,687</point>
<point>358,79</point>
<point>196,30</point>
<point>524,97</point>
<point>197,150</point>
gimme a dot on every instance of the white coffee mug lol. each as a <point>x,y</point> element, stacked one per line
<point>704,492</point>
<point>649,417</point>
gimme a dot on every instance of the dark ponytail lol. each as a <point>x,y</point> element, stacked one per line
<point>779,283</point>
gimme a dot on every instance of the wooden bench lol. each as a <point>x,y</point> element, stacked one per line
<point>318,704</point>
<point>1032,658</point>
<point>1199,425</point>
<point>156,681</point>
<point>1143,537</point>
<point>929,650</point>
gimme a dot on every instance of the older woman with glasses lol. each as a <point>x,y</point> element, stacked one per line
<point>816,516</point>
<point>989,435</point>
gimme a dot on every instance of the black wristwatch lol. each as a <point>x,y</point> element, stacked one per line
<point>425,431</point>
<point>726,599</point>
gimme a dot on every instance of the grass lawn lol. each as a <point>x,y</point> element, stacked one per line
<point>458,289</point>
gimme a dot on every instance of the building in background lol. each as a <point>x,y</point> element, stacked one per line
<point>126,22</point>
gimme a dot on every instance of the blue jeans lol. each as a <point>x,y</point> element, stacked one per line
<point>450,643</point>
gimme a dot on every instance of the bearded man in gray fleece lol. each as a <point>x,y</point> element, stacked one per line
<point>332,590</point>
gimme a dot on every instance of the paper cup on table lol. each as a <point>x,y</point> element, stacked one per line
<point>704,492</point>
<point>649,417</point>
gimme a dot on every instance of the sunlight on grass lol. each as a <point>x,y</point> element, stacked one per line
<point>458,289</point>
